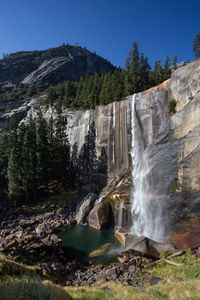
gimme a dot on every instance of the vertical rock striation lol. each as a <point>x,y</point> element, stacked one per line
<point>171,142</point>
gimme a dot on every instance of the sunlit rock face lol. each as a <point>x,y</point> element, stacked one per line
<point>171,146</point>
<point>112,127</point>
<point>111,133</point>
<point>184,84</point>
<point>169,187</point>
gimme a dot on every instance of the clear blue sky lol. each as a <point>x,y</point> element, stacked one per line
<point>108,27</point>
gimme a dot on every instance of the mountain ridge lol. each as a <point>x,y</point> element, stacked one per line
<point>50,66</point>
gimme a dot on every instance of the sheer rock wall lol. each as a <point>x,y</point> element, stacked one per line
<point>173,140</point>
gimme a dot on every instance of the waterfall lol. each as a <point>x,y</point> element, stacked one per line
<point>120,217</point>
<point>146,201</point>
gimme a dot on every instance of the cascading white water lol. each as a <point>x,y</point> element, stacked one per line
<point>145,199</point>
<point>120,216</point>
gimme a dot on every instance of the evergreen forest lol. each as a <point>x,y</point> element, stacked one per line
<point>35,159</point>
<point>102,89</point>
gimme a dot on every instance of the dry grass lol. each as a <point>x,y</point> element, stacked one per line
<point>175,290</point>
<point>178,283</point>
<point>29,288</point>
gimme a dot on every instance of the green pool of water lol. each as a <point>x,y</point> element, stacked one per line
<point>80,241</point>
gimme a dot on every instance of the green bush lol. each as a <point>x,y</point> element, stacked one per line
<point>173,187</point>
<point>172,106</point>
<point>193,272</point>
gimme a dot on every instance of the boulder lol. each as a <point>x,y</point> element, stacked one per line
<point>42,229</point>
<point>146,247</point>
<point>51,240</point>
<point>154,280</point>
<point>113,209</point>
<point>111,274</point>
<point>99,216</point>
<point>85,208</point>
<point>122,237</point>
<point>11,244</point>
<point>19,234</point>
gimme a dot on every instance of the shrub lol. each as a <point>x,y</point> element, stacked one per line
<point>193,272</point>
<point>172,106</point>
<point>173,187</point>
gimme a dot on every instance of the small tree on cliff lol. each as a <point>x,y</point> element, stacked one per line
<point>174,62</point>
<point>196,45</point>
<point>167,69</point>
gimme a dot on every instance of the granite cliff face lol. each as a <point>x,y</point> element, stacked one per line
<point>50,66</point>
<point>112,125</point>
<point>172,143</point>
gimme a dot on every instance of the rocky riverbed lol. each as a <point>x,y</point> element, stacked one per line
<point>30,237</point>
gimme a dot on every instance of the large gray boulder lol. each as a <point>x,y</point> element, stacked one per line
<point>146,247</point>
<point>99,216</point>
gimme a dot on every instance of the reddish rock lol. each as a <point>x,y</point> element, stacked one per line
<point>187,233</point>
<point>186,240</point>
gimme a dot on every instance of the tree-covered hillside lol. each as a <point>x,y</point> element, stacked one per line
<point>100,85</point>
<point>105,88</point>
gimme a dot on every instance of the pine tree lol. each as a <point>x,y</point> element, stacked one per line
<point>144,73</point>
<point>128,61</point>
<point>167,69</point>
<point>52,95</point>
<point>157,75</point>
<point>132,80</point>
<point>117,81</point>
<point>97,88</point>
<point>62,152</point>
<point>128,87</point>
<point>42,145</point>
<point>13,173</point>
<point>74,171</point>
<point>30,160</point>
<point>174,62</point>
<point>105,96</point>
<point>52,150</point>
<point>134,68</point>
<point>70,93</point>
<point>196,45</point>
<point>89,97</point>
<point>4,156</point>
